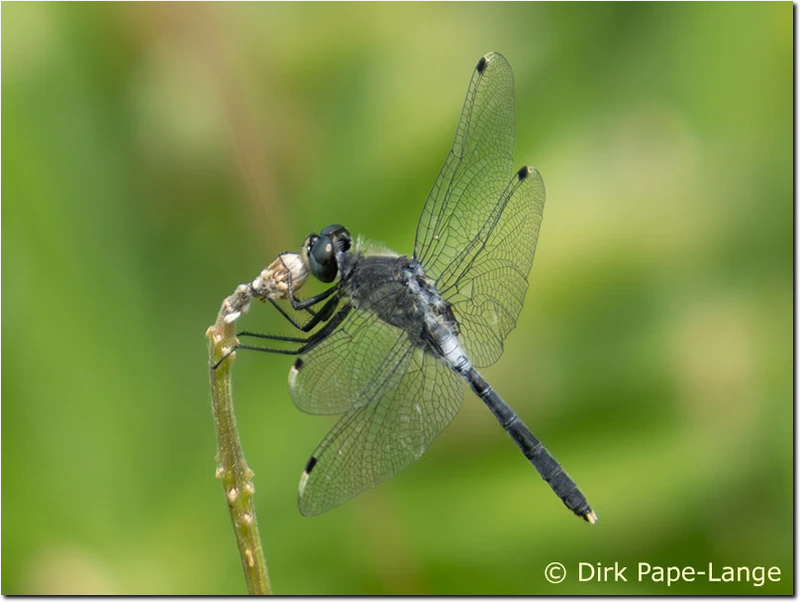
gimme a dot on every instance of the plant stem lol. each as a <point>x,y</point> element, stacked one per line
<point>232,468</point>
<point>287,271</point>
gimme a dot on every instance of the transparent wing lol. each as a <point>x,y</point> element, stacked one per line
<point>349,368</point>
<point>478,231</point>
<point>487,281</point>
<point>475,172</point>
<point>373,443</point>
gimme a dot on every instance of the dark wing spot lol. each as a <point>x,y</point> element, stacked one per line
<point>312,462</point>
<point>298,363</point>
<point>524,173</point>
<point>481,67</point>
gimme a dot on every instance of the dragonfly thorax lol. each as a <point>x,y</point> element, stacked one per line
<point>399,292</point>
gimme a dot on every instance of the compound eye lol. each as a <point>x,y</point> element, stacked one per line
<point>322,259</point>
<point>339,235</point>
<point>305,250</point>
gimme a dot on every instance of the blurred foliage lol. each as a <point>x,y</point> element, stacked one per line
<point>157,155</point>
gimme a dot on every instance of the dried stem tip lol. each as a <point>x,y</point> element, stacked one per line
<point>272,282</point>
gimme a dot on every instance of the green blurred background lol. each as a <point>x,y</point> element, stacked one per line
<point>159,155</point>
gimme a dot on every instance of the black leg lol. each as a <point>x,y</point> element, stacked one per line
<point>323,315</point>
<point>311,301</point>
<point>264,349</point>
<point>297,304</point>
<point>304,305</point>
<point>307,344</point>
<point>271,337</point>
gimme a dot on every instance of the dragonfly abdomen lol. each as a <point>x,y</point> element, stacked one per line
<point>543,461</point>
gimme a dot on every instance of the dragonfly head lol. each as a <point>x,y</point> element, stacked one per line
<point>322,252</point>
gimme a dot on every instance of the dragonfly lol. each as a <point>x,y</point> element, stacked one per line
<point>390,344</point>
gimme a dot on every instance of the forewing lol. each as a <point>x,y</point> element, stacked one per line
<point>373,443</point>
<point>475,172</point>
<point>350,367</point>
